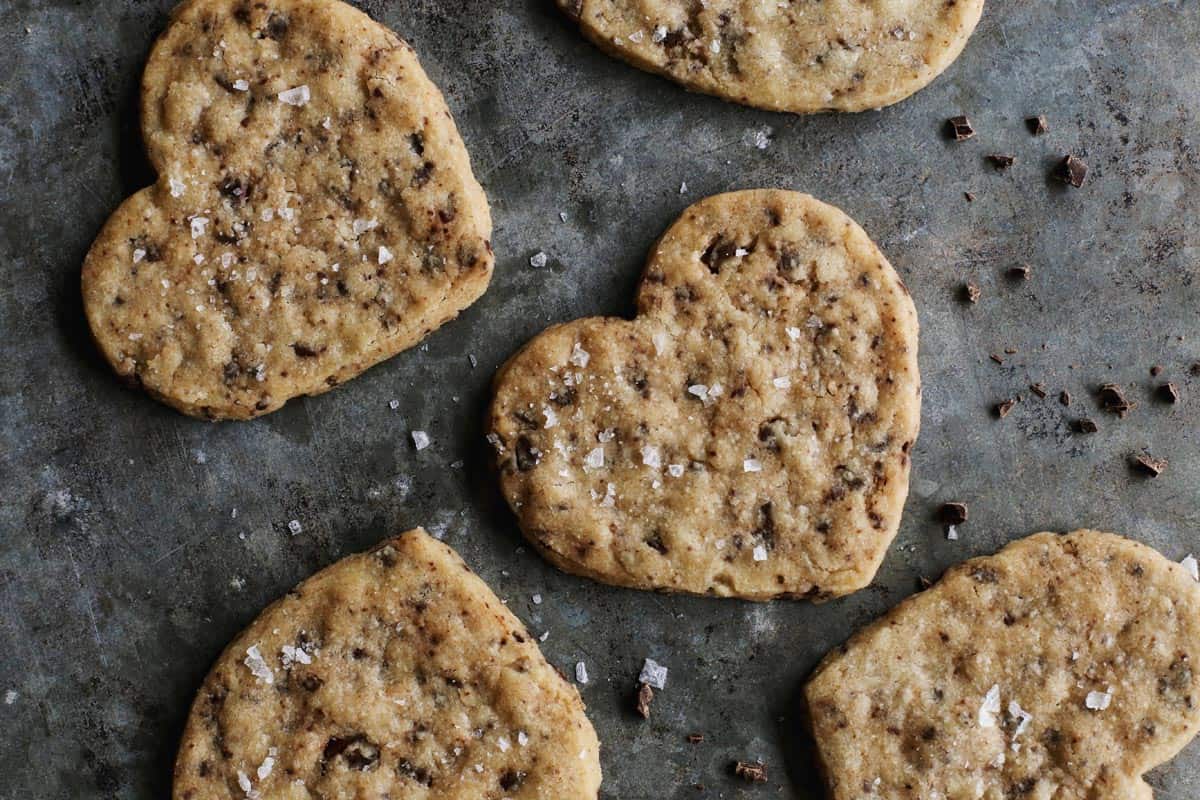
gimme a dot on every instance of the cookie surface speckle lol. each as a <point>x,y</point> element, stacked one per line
<point>840,55</point>
<point>747,434</point>
<point>315,211</point>
<point>1062,667</point>
<point>393,673</point>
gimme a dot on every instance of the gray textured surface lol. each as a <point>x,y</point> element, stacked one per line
<point>123,571</point>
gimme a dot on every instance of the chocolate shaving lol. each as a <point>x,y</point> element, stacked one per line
<point>1149,465</point>
<point>1001,161</point>
<point>1071,171</point>
<point>1085,425</point>
<point>1169,393</point>
<point>1020,272</point>
<point>750,771</point>
<point>960,128</point>
<point>1037,125</point>
<point>1039,389</point>
<point>1114,401</point>
<point>1003,408</point>
<point>954,513</point>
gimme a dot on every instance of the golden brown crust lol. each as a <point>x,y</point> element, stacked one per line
<point>833,55</point>
<point>1062,667</point>
<point>393,673</point>
<point>747,434</point>
<point>315,211</point>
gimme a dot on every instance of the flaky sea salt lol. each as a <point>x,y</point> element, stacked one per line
<point>579,356</point>
<point>361,226</point>
<point>952,533</point>
<point>289,655</point>
<point>653,674</point>
<point>177,187</point>
<point>537,599</point>
<point>683,188</point>
<point>675,470</point>
<point>138,255</point>
<point>783,382</point>
<point>268,764</point>
<point>651,456</point>
<point>990,707</point>
<point>758,138</point>
<point>522,738</point>
<point>660,33</point>
<point>295,527</point>
<point>503,744</point>
<point>793,333</point>
<point>198,226</point>
<point>393,404</point>
<point>1098,701</point>
<point>420,439</point>
<point>538,260</point>
<point>385,255</point>
<point>1022,717</point>
<point>298,96</point>
<point>10,697</point>
<point>258,665</point>
<point>760,552</point>
<point>550,415</point>
<point>594,459</point>
<point>581,674</point>
<point>751,465</point>
<point>241,85</point>
<point>1193,568</point>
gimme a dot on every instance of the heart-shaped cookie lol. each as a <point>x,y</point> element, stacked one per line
<point>391,674</point>
<point>1062,667</point>
<point>832,55</point>
<point>747,434</point>
<point>315,211</point>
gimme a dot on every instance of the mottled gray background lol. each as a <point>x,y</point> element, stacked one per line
<point>123,571</point>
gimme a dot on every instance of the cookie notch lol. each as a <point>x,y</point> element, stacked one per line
<point>314,213</point>
<point>746,434</point>
<point>1062,666</point>
<point>797,57</point>
<point>392,673</point>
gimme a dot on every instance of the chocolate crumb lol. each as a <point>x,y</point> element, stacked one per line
<point>1003,408</point>
<point>750,771</point>
<point>1037,125</point>
<point>971,292</point>
<point>1072,171</point>
<point>1020,272</point>
<point>1085,425</point>
<point>1064,397</point>
<point>960,128</point>
<point>645,696</point>
<point>1156,370</point>
<point>996,358</point>
<point>923,583</point>
<point>1001,161</point>
<point>1038,388</point>
<point>954,513</point>
<point>1114,401</point>
<point>970,197</point>
<point>1148,464</point>
<point>1169,393</point>
<point>695,738</point>
<point>1195,370</point>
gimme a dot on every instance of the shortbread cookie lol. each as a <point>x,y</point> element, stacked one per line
<point>315,211</point>
<point>1062,668</point>
<point>831,55</point>
<point>394,673</point>
<point>747,434</point>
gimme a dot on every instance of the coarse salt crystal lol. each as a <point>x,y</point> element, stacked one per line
<point>393,404</point>
<point>610,497</point>
<point>550,415</point>
<point>385,255</point>
<point>952,533</point>
<point>579,356</point>
<point>295,527</point>
<point>177,187</point>
<point>661,342</point>
<point>683,188</point>
<point>594,459</point>
<point>538,260</point>
<point>660,33</point>
<point>760,552</point>
<point>751,465</point>
<point>715,46</point>
<point>420,439</point>
<point>653,674</point>
<point>651,456</point>
<point>606,435</point>
<point>522,738</point>
<point>990,707</point>
<point>1022,716</point>
<point>581,674</point>
<point>503,744</point>
<point>258,665</point>
<point>227,260</point>
<point>198,226</point>
<point>675,470</point>
<point>637,36</point>
<point>267,215</point>
<point>537,599</point>
<point>361,226</point>
<point>241,84</point>
<point>294,655</point>
<point>138,255</point>
<point>298,96</point>
<point>288,214</point>
<point>198,258</point>
<point>268,764</point>
<point>793,333</point>
<point>699,390</point>
<point>783,382</point>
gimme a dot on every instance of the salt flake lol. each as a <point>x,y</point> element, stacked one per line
<point>653,674</point>
<point>258,665</point>
<point>751,465</point>
<point>1193,568</point>
<point>990,707</point>
<point>538,260</point>
<point>760,552</point>
<point>579,356</point>
<point>420,439</point>
<point>298,96</point>
<point>1098,701</point>
<point>581,674</point>
<point>385,255</point>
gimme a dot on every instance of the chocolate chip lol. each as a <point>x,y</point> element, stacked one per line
<point>971,292</point>
<point>1003,408</point>
<point>1020,272</point>
<point>960,128</point>
<point>1148,464</point>
<point>1038,388</point>
<point>695,738</point>
<point>359,752</point>
<point>750,771</point>
<point>1169,393</point>
<point>954,513</point>
<point>528,456</point>
<point>1114,401</point>
<point>1071,170</point>
<point>304,351</point>
<point>1064,397</point>
<point>511,780</point>
<point>645,696</point>
<point>1001,160</point>
<point>1037,125</point>
<point>1085,425</point>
